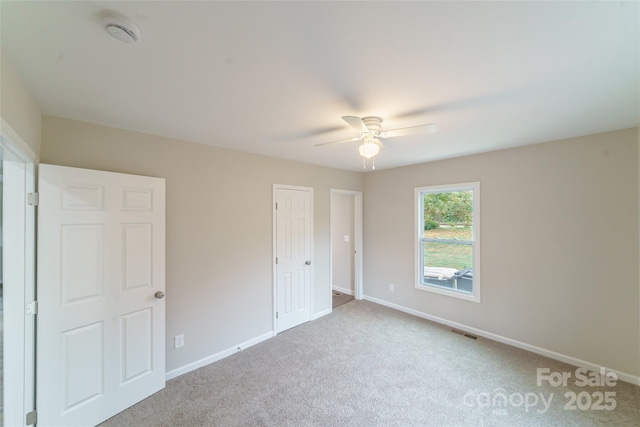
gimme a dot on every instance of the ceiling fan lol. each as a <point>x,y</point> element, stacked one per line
<point>370,129</point>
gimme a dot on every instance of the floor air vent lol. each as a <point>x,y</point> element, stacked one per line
<point>464,334</point>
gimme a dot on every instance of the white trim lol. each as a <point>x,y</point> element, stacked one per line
<point>14,212</point>
<point>19,276</point>
<point>357,242</point>
<point>633,379</point>
<point>321,314</point>
<point>218,356</point>
<point>274,249</point>
<point>30,293</point>
<point>274,267</point>
<point>419,233</point>
<point>359,248</point>
<point>10,140</point>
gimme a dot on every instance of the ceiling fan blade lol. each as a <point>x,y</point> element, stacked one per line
<point>356,123</point>
<point>356,138</point>
<point>428,128</point>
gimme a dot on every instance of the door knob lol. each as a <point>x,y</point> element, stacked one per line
<point>159,295</point>
<point>307,262</point>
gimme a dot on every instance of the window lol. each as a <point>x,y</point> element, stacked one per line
<point>448,240</point>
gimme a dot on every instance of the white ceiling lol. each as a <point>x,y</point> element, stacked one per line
<point>274,78</point>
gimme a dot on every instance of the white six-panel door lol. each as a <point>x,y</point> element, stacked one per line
<point>293,253</point>
<point>100,339</point>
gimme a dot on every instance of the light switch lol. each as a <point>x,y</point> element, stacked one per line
<point>346,237</point>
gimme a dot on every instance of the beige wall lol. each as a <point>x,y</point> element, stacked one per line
<point>559,243</point>
<point>219,227</point>
<point>18,109</point>
<point>559,249</point>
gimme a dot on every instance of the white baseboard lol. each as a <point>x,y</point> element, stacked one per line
<point>228,352</point>
<point>342,290</point>
<point>320,314</point>
<point>218,356</point>
<point>633,379</point>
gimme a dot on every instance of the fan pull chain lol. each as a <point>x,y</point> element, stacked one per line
<point>364,163</point>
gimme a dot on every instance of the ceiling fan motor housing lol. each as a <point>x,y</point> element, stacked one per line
<point>372,123</point>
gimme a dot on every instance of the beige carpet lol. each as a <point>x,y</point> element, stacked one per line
<point>339,298</point>
<point>368,365</point>
<point>1,355</point>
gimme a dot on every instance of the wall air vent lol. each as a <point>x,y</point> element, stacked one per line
<point>464,334</point>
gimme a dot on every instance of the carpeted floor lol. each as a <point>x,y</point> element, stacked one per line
<point>1,355</point>
<point>339,298</point>
<point>383,368</point>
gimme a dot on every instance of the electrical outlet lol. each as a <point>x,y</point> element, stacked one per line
<point>392,287</point>
<point>178,341</point>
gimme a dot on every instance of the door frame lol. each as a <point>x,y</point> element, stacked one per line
<point>277,187</point>
<point>19,269</point>
<point>357,240</point>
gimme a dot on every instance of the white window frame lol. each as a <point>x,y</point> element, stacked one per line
<point>474,296</point>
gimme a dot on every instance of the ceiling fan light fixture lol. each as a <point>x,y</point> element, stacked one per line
<point>369,130</point>
<point>369,150</point>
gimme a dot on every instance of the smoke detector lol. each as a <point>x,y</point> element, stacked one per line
<point>120,27</point>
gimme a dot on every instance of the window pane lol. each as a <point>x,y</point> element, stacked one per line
<point>448,265</point>
<point>448,255</point>
<point>452,210</point>
<point>447,241</point>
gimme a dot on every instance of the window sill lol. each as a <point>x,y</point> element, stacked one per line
<point>473,297</point>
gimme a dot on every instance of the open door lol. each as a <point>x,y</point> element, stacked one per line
<point>101,280</point>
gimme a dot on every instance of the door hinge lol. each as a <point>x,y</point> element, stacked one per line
<point>32,307</point>
<point>276,205</point>
<point>276,260</point>
<point>276,314</point>
<point>33,199</point>
<point>31,418</point>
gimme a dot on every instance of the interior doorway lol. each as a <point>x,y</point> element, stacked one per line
<point>346,246</point>
<point>18,277</point>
